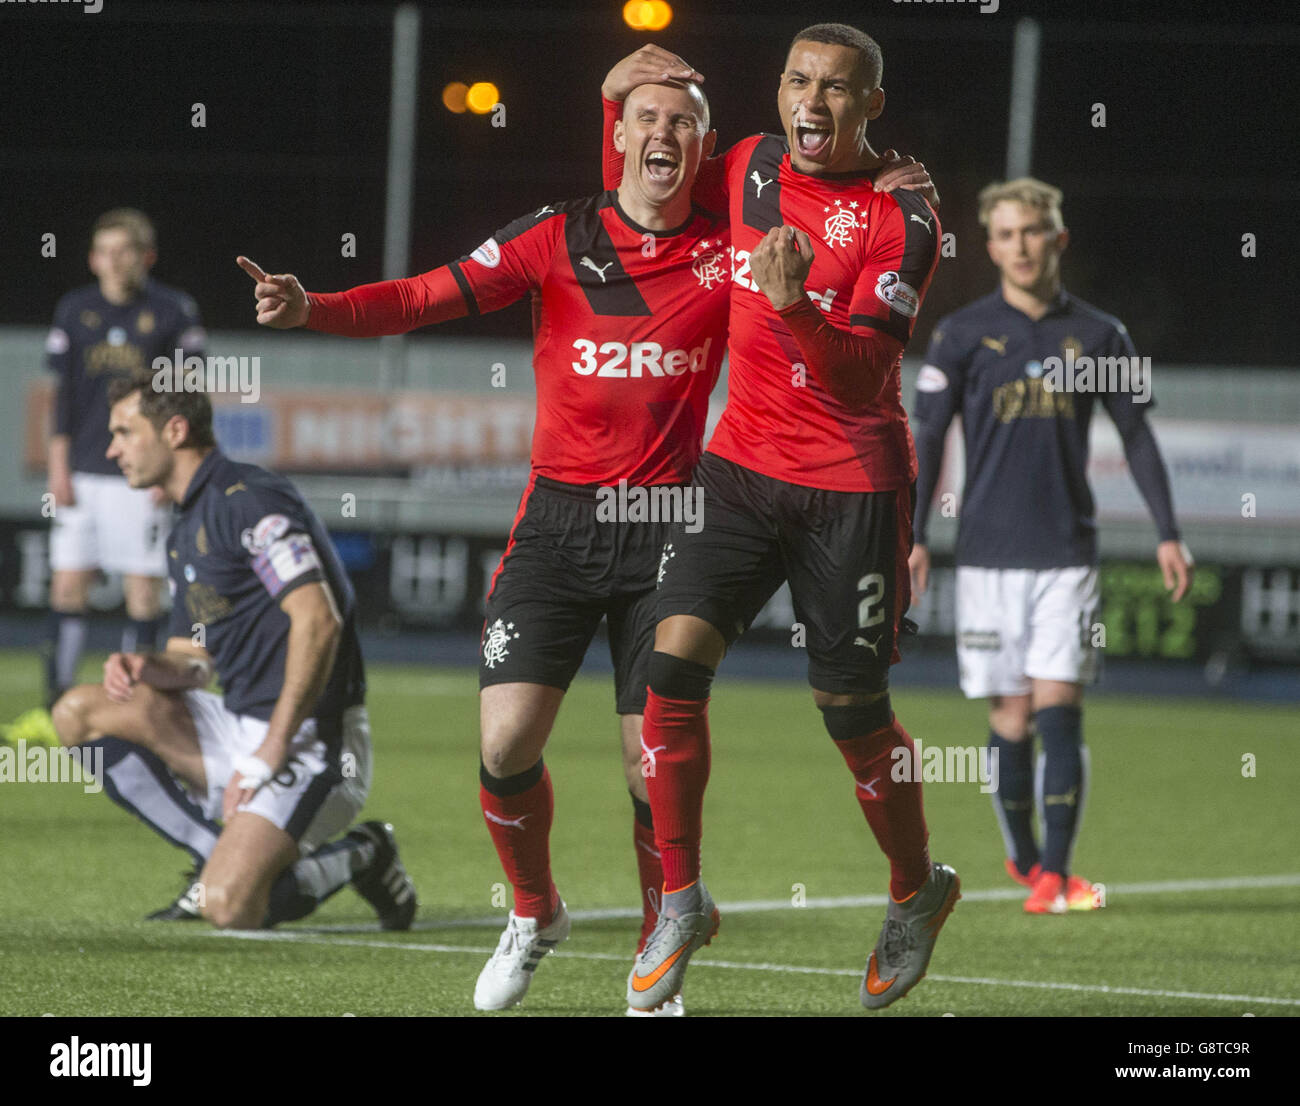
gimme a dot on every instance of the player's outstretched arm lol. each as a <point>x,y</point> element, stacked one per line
<point>281,300</point>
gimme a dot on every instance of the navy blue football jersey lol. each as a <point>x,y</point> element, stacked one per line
<point>1026,502</point>
<point>242,540</point>
<point>93,340</point>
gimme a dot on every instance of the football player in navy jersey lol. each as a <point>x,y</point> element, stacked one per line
<point>1013,366</point>
<point>281,759</point>
<point>117,325</point>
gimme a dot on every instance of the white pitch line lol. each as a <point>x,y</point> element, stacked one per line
<point>759,906</point>
<point>784,969</point>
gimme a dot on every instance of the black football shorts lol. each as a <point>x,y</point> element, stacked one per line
<point>562,572</point>
<point>844,554</point>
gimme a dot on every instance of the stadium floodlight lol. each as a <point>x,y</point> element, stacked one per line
<point>647,15</point>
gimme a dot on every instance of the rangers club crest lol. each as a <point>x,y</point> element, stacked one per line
<point>707,266</point>
<point>496,641</point>
<point>840,222</point>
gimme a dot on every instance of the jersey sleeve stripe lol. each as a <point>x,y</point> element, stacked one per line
<point>465,289</point>
<point>890,326</point>
<point>762,184</point>
<point>919,238</point>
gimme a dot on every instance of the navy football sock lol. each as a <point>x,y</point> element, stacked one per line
<point>140,635</point>
<point>1063,787</point>
<point>67,639</point>
<point>140,783</point>
<point>303,886</point>
<point>1013,801</point>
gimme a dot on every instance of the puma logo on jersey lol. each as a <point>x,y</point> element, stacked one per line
<point>599,270</point>
<point>924,222</point>
<point>998,345</point>
<point>874,646</point>
<point>547,210</point>
<point>759,184</point>
<point>516,823</point>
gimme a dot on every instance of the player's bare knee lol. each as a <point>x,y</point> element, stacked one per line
<point>71,716</point>
<point>1009,717</point>
<point>507,758</point>
<point>227,908</point>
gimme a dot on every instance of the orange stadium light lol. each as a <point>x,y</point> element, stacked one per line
<point>647,15</point>
<point>482,97</point>
<point>453,96</point>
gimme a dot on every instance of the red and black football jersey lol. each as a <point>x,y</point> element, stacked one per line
<point>629,331</point>
<point>874,255</point>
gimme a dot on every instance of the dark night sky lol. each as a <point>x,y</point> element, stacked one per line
<point>1199,148</point>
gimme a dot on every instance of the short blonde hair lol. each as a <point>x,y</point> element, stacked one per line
<point>1023,190</point>
<point>135,223</point>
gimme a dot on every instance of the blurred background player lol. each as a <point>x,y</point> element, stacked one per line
<point>283,756</point>
<point>808,478</point>
<point>1027,539</point>
<point>113,327</point>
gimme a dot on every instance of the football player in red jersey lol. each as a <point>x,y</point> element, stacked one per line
<point>627,349</point>
<point>809,478</point>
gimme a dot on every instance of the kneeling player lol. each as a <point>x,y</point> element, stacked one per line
<point>282,758</point>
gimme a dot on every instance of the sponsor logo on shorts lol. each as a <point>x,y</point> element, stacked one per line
<point>496,642</point>
<point>667,555</point>
<point>980,639</point>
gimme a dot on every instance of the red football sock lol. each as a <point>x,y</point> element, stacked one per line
<point>520,826</point>
<point>893,807</point>
<point>675,744</point>
<point>651,873</point>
